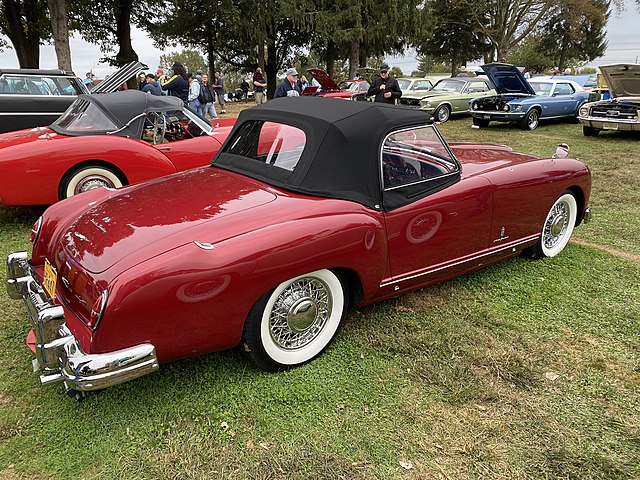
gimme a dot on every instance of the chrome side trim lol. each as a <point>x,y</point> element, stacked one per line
<point>59,355</point>
<point>30,114</point>
<point>511,246</point>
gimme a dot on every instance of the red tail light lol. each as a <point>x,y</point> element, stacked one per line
<point>35,231</point>
<point>98,310</point>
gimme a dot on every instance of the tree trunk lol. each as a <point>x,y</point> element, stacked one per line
<point>354,58</point>
<point>60,30</point>
<point>331,58</point>
<point>126,53</point>
<point>260,54</point>
<point>211,59</point>
<point>271,70</point>
<point>25,38</point>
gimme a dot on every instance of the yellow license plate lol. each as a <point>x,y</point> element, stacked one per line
<point>610,126</point>
<point>49,280</point>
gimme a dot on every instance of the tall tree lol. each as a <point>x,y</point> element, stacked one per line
<point>107,23</point>
<point>505,23</point>
<point>26,24</point>
<point>451,39</point>
<point>60,32</point>
<point>574,31</point>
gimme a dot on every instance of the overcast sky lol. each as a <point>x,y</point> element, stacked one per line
<point>623,47</point>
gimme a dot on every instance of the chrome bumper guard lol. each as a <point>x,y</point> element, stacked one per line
<point>59,356</point>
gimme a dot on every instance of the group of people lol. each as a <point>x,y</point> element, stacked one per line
<point>384,89</point>
<point>194,89</point>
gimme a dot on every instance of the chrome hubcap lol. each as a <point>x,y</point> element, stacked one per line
<point>443,115</point>
<point>300,313</point>
<point>533,120</point>
<point>556,225</point>
<point>89,183</point>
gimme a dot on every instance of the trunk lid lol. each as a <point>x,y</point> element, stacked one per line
<point>159,215</point>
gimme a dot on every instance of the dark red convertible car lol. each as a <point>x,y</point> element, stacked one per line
<point>301,214</point>
<point>105,140</point>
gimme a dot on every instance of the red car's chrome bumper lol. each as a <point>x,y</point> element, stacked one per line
<point>59,356</point>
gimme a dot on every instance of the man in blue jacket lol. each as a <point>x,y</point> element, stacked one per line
<point>289,87</point>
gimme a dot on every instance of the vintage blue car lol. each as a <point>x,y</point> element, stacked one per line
<point>526,101</point>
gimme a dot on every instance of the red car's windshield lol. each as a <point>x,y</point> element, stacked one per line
<point>84,117</point>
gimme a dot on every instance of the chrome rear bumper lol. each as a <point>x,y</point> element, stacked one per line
<point>59,356</point>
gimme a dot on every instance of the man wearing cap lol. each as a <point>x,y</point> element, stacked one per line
<point>152,86</point>
<point>289,86</point>
<point>385,88</point>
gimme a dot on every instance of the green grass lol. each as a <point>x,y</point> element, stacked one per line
<point>523,370</point>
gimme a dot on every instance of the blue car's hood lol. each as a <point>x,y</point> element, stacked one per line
<point>507,78</point>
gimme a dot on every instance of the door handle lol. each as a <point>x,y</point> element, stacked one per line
<point>164,149</point>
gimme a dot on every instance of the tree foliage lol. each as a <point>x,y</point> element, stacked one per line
<point>191,59</point>
<point>451,39</point>
<point>26,24</point>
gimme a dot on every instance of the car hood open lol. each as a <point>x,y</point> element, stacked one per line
<point>157,216</point>
<point>622,79</point>
<point>324,79</point>
<point>507,78</point>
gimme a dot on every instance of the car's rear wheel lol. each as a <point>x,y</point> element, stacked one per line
<point>295,322</point>
<point>87,177</point>
<point>557,227</point>
<point>589,131</point>
<point>480,122</point>
<point>531,120</point>
<point>442,113</point>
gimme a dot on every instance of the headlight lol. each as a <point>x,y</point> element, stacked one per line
<point>584,111</point>
<point>98,310</point>
<point>35,231</point>
<point>425,104</point>
<point>505,108</point>
<point>516,108</point>
<point>474,106</point>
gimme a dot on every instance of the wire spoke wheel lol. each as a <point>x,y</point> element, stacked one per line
<point>296,321</point>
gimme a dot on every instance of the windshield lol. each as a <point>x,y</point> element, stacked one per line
<point>404,84</point>
<point>448,85</point>
<point>415,155</point>
<point>543,89</point>
<point>84,117</point>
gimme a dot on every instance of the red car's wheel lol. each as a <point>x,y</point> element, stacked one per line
<point>558,227</point>
<point>296,321</point>
<point>88,177</point>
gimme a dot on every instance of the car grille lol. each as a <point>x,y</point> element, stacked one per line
<point>619,111</point>
<point>410,102</point>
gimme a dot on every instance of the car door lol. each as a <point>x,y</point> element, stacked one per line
<point>436,221</point>
<point>565,95</point>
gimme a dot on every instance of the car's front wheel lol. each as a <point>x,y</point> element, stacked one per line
<point>295,322</point>
<point>88,177</point>
<point>442,113</point>
<point>557,227</point>
<point>531,120</point>
<point>589,131</point>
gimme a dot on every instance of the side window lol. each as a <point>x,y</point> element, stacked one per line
<point>422,85</point>
<point>563,89</point>
<point>477,87</point>
<point>270,143</point>
<point>413,156</point>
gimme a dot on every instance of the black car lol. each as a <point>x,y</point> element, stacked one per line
<point>35,98</point>
<point>32,98</point>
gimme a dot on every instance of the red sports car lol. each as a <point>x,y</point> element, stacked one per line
<point>105,140</point>
<point>346,90</point>
<point>301,214</point>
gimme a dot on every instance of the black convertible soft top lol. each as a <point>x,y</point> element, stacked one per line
<point>122,107</point>
<point>341,158</point>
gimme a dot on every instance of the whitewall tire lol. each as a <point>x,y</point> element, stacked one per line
<point>558,227</point>
<point>296,321</point>
<point>87,178</point>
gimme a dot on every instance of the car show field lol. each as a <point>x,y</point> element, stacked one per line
<point>520,370</point>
